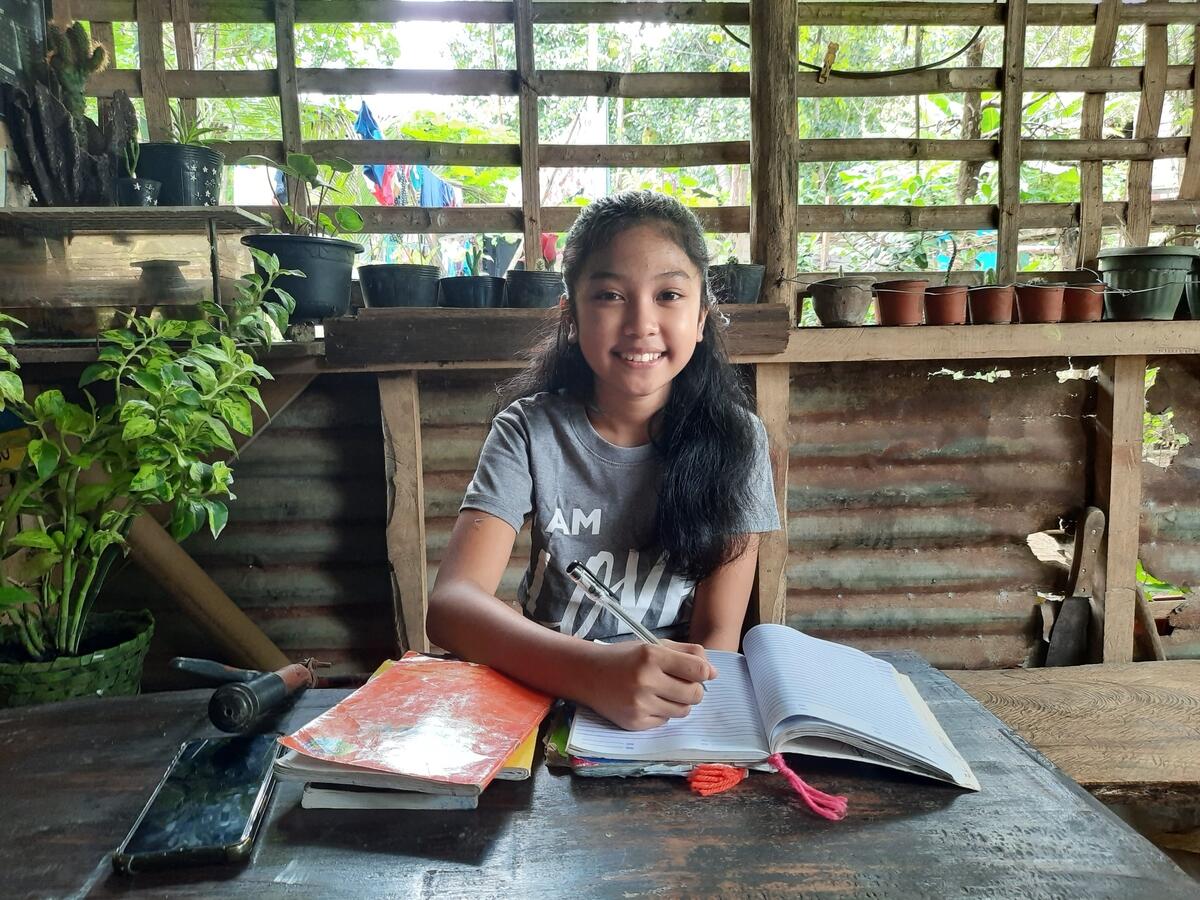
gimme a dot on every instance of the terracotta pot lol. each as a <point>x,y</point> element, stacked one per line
<point>1083,303</point>
<point>991,304</point>
<point>1040,303</point>
<point>946,304</point>
<point>901,302</point>
<point>842,302</point>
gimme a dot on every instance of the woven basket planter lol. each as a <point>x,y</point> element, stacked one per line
<point>116,671</point>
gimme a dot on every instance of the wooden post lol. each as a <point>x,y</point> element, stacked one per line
<point>102,34</point>
<point>775,186</point>
<point>399,402</point>
<point>1122,387</point>
<point>1011,102</point>
<point>153,67</point>
<point>1149,117</point>
<point>1091,127</point>
<point>773,395</point>
<point>289,96</point>
<point>185,52</point>
<point>527,108</point>
<point>1189,184</point>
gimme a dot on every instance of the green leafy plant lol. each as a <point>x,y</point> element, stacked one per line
<point>990,277</point>
<point>474,259</point>
<point>152,418</point>
<point>188,129</point>
<point>72,57</point>
<point>305,176</point>
<point>133,152</point>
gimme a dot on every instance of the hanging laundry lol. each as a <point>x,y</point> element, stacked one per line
<point>380,176</point>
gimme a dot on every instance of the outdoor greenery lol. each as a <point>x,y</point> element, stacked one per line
<point>148,426</point>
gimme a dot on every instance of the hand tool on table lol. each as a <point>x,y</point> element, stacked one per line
<point>247,697</point>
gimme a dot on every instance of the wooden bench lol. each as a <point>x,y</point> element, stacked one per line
<point>1128,733</point>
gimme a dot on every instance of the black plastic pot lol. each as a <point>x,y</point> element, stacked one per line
<point>327,263</point>
<point>736,282</point>
<point>137,192</point>
<point>471,292</point>
<point>386,284</point>
<point>534,290</point>
<point>1154,277</point>
<point>190,175</point>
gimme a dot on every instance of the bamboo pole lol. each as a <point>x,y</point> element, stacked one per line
<point>1011,104</point>
<point>1091,127</point>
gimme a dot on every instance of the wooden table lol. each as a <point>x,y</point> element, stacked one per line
<point>73,777</point>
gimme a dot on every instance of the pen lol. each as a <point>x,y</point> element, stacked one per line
<point>601,594</point>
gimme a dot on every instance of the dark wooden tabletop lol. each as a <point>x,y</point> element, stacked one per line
<point>73,777</point>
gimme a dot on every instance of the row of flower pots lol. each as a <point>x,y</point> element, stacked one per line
<point>396,285</point>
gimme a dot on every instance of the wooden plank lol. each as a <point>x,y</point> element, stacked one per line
<point>435,336</point>
<point>1146,125</point>
<point>1011,104</point>
<point>185,50</point>
<point>1091,127</point>
<point>102,34</point>
<point>399,402</point>
<point>616,84</point>
<point>152,74</point>
<point>1189,184</point>
<point>1119,425</point>
<point>902,13</point>
<point>775,186</point>
<point>1125,732</point>
<point>527,126</point>
<point>772,391</point>
<point>285,61</point>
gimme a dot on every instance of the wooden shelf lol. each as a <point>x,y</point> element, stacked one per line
<point>69,220</point>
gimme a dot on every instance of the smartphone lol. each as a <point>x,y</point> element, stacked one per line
<point>207,807</point>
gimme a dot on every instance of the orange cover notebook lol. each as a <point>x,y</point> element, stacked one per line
<point>448,724</point>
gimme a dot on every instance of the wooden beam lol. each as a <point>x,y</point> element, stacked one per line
<point>289,97</point>
<point>527,126</point>
<point>185,51</point>
<point>152,74</point>
<point>775,186</point>
<point>400,405</point>
<point>1011,105</point>
<point>1091,127</point>
<point>772,386</point>
<point>1189,184</point>
<point>1146,125</point>
<point>1119,426</point>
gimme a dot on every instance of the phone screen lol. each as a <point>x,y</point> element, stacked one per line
<point>207,806</point>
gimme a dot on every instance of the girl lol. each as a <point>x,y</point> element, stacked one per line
<point>631,444</point>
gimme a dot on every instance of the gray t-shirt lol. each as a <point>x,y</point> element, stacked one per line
<point>595,502</point>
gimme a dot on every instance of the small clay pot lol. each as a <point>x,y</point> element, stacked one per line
<point>1040,303</point>
<point>842,302</point>
<point>991,304</point>
<point>901,302</point>
<point>946,304</point>
<point>1083,302</point>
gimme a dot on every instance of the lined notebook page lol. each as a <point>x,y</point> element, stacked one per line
<point>724,726</point>
<point>798,675</point>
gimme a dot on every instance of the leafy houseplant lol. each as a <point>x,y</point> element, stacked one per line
<point>154,410</point>
<point>991,303</point>
<point>189,170</point>
<point>735,282</point>
<point>306,242</point>
<point>946,304</point>
<point>540,289</point>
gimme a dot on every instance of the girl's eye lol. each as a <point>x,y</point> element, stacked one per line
<point>670,296</point>
<point>608,296</point>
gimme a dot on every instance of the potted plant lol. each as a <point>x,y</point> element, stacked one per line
<point>134,191</point>
<point>946,303</point>
<point>1084,302</point>
<point>842,302</point>
<point>991,303</point>
<point>1040,302</point>
<point>475,290</point>
<point>412,283</point>
<point>308,244</point>
<point>153,411</point>
<point>540,289</point>
<point>1148,282</point>
<point>902,301</point>
<point>735,282</point>
<point>188,169</point>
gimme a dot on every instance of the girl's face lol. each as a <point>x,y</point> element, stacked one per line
<point>638,315</point>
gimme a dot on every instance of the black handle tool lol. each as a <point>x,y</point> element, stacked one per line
<point>246,697</point>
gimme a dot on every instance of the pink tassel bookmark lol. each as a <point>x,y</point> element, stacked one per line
<point>827,806</point>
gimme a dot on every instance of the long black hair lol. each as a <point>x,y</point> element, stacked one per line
<point>705,434</point>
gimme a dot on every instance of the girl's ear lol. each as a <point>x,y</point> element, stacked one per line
<point>700,327</point>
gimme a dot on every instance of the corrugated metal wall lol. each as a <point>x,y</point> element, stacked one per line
<point>304,553</point>
<point>910,496</point>
<point>1170,529</point>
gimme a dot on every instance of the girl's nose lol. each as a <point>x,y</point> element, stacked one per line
<point>641,317</point>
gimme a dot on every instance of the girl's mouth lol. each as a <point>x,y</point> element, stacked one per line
<point>640,360</point>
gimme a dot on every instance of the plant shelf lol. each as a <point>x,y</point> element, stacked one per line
<point>68,220</point>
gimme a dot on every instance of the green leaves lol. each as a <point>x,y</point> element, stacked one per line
<point>33,538</point>
<point>138,426</point>
<point>11,595</point>
<point>45,456</point>
<point>11,388</point>
<point>236,412</point>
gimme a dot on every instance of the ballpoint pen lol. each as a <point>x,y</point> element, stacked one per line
<point>601,594</point>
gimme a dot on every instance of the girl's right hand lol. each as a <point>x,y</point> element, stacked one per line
<point>638,686</point>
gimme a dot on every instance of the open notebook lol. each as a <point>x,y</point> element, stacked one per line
<point>791,693</point>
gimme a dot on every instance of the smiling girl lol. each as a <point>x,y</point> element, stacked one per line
<point>633,448</point>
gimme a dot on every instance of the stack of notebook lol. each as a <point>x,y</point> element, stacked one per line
<point>423,733</point>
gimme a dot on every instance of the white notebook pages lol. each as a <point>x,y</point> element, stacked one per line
<point>791,693</point>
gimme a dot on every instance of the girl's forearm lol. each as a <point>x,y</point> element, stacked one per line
<point>474,625</point>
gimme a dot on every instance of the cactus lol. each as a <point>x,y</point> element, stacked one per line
<point>71,58</point>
